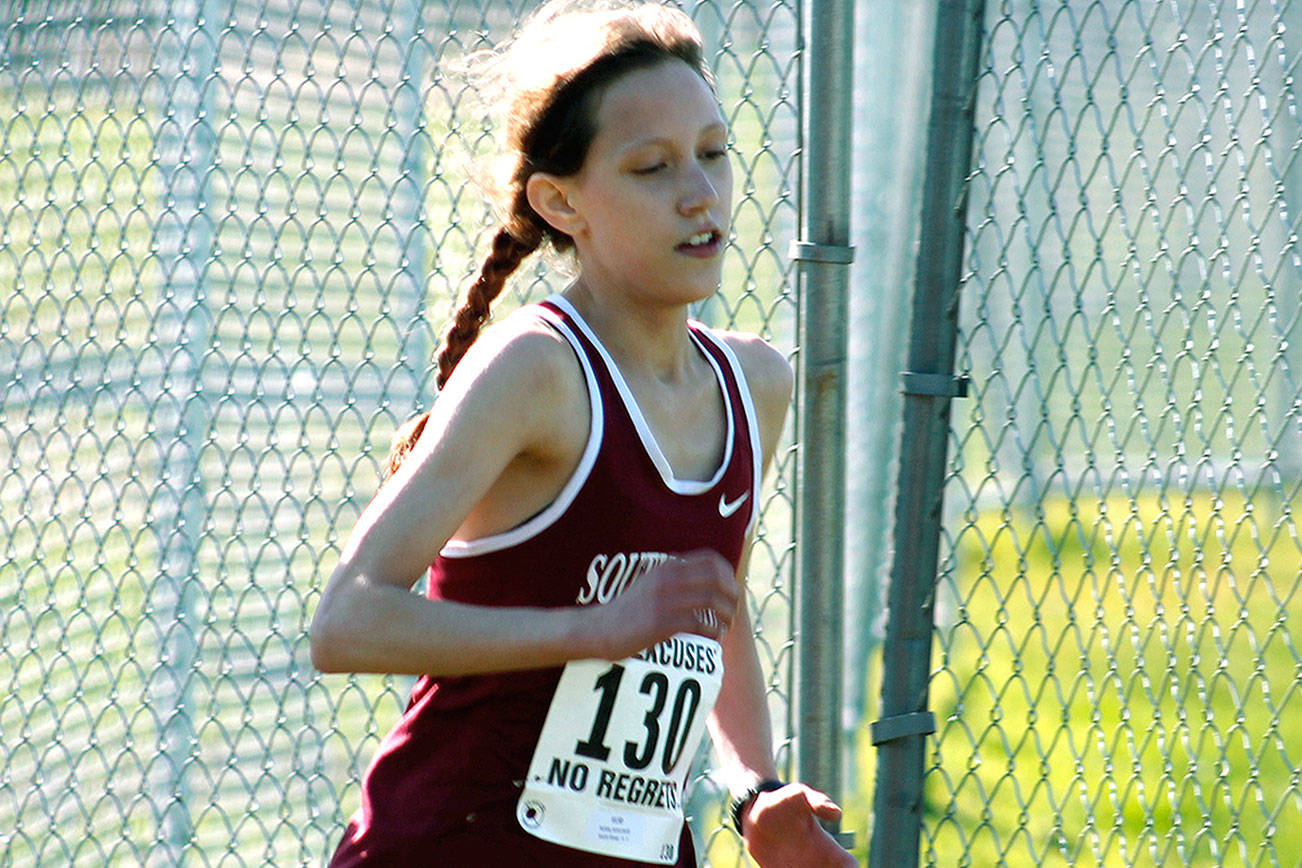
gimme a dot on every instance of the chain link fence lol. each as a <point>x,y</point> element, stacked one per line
<point>1119,615</point>
<point>232,233</point>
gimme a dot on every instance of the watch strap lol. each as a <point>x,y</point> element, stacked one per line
<point>740,803</point>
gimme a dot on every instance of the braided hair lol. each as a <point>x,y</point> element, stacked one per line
<point>549,81</point>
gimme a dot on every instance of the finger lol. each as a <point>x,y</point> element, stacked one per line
<point>822,805</point>
<point>828,810</point>
<point>721,616</point>
<point>710,591</point>
<point>711,563</point>
<point>728,593</point>
<point>706,622</point>
<point>706,618</point>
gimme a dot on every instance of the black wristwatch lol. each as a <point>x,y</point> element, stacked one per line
<point>742,802</point>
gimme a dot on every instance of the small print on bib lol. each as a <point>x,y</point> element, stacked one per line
<point>611,764</point>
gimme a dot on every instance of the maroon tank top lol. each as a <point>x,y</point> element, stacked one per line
<point>443,786</point>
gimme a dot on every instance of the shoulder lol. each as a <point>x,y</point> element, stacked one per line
<point>522,351</point>
<point>521,366</point>
<point>770,379</point>
<point>768,373</point>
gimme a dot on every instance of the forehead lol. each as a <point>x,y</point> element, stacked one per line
<point>667,101</point>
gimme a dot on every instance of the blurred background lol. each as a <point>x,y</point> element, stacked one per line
<point>231,235</point>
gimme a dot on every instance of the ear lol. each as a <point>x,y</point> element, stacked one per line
<point>549,195</point>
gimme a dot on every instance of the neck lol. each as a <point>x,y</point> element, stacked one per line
<point>646,338</point>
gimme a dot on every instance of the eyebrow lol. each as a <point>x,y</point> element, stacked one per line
<point>669,140</point>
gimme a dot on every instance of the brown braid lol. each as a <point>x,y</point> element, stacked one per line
<point>550,99</point>
<point>507,254</point>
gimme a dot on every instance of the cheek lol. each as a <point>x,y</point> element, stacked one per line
<point>724,185</point>
<point>616,196</point>
<point>635,208</point>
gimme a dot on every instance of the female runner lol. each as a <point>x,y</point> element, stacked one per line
<point>582,496</point>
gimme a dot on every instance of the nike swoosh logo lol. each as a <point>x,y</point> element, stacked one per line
<point>726,509</point>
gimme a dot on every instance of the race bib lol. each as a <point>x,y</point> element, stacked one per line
<point>612,760</point>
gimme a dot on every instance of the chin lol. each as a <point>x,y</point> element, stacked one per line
<point>690,294</point>
<point>702,287</point>
<point>657,286</point>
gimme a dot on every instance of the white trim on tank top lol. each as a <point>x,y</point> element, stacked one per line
<point>535,525</point>
<point>752,422</point>
<point>645,434</point>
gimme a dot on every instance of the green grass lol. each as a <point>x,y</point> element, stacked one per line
<point>1117,683</point>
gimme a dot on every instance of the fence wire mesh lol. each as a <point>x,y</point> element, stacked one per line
<point>231,235</point>
<point>1119,679</point>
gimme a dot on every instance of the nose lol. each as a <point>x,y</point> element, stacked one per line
<point>699,191</point>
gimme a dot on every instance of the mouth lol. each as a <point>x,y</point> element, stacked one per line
<point>707,242</point>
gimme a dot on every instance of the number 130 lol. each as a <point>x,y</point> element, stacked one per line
<point>687,700</point>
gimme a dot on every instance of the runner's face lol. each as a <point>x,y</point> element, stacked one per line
<point>655,192</point>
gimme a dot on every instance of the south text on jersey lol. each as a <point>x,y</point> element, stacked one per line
<point>610,575</point>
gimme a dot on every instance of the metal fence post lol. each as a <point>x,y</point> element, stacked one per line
<point>890,109</point>
<point>824,255</point>
<point>928,386</point>
<point>1288,389</point>
<point>187,145</point>
<point>409,194</point>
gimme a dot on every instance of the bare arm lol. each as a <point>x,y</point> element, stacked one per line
<point>781,827</point>
<point>740,726</point>
<point>514,397</point>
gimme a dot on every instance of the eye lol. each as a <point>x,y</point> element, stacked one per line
<point>651,169</point>
<point>715,154</point>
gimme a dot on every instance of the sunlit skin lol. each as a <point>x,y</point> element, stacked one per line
<point>649,215</point>
<point>657,177</point>
<point>657,174</point>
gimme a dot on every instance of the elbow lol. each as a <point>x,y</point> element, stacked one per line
<point>322,644</point>
<point>328,639</point>
<point>319,645</point>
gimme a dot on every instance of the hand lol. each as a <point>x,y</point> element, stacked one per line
<point>782,831</point>
<point>692,593</point>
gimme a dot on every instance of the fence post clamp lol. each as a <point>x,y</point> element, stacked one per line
<point>937,385</point>
<point>902,726</point>
<point>808,251</point>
